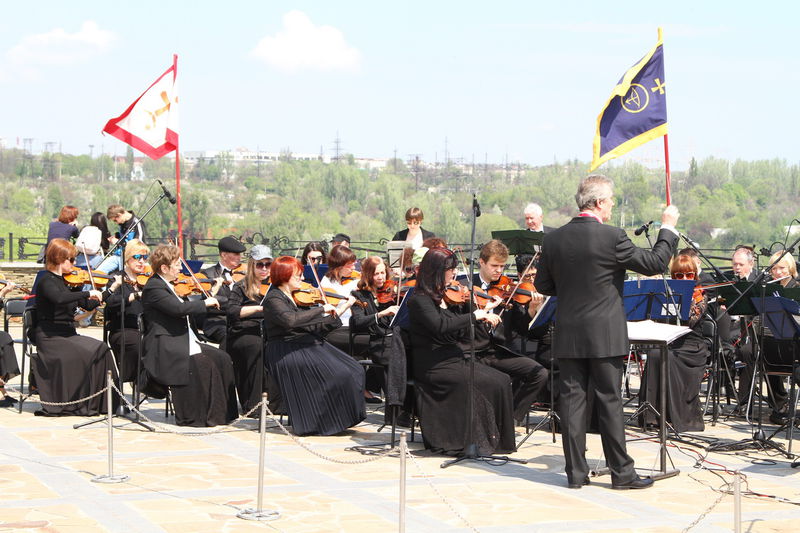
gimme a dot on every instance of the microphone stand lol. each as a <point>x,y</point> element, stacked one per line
<point>715,358</point>
<point>470,451</point>
<point>122,410</point>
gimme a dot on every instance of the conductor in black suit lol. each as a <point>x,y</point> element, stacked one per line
<point>583,263</point>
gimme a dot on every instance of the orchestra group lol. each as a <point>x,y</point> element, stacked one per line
<point>324,333</point>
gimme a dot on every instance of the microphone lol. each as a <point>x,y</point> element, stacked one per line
<point>690,241</point>
<point>644,227</point>
<point>169,196</point>
<point>476,206</point>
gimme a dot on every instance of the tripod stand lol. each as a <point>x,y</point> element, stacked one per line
<point>470,451</point>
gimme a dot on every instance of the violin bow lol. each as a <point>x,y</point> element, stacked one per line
<point>89,268</point>
<point>319,285</point>
<point>400,277</point>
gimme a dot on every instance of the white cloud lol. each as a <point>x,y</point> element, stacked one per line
<point>301,45</point>
<point>58,47</point>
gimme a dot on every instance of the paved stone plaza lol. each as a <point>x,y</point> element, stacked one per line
<point>183,483</point>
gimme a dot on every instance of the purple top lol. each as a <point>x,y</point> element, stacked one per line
<point>59,230</point>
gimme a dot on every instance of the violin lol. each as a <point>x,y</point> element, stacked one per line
<point>264,287</point>
<point>4,281</point>
<point>80,277</point>
<point>387,293</point>
<point>353,277</point>
<point>455,293</point>
<point>308,295</point>
<point>238,273</point>
<point>185,285</point>
<point>522,293</point>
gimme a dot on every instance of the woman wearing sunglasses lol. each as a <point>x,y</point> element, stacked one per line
<point>244,343</point>
<point>126,329</point>
<point>686,361</point>
<point>69,366</point>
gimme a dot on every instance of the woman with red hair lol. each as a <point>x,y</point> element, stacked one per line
<point>321,386</point>
<point>686,361</point>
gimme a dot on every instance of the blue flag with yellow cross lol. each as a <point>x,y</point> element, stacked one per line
<point>636,111</point>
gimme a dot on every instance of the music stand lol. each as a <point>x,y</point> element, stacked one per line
<point>544,315</point>
<point>781,315</point>
<point>394,252</point>
<point>520,241</point>
<point>308,273</point>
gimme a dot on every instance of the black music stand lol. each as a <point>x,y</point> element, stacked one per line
<point>781,315</point>
<point>545,315</point>
<point>520,241</point>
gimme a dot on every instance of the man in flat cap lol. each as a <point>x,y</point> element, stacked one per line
<point>230,257</point>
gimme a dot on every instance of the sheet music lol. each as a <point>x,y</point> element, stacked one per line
<point>649,331</point>
<point>539,311</point>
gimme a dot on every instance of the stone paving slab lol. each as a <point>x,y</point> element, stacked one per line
<point>181,483</point>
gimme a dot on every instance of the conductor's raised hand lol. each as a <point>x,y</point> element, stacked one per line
<point>670,216</point>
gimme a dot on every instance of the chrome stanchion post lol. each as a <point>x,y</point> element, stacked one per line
<point>403,454</point>
<point>110,477</point>
<point>737,503</point>
<point>259,513</point>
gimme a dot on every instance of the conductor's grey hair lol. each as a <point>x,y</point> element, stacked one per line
<point>593,189</point>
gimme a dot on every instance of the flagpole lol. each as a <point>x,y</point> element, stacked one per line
<point>179,240</point>
<point>666,166</point>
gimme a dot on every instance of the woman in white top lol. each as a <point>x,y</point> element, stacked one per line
<point>341,279</point>
<point>414,234</point>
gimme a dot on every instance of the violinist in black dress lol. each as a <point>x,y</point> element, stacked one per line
<point>244,341</point>
<point>321,386</point>
<point>199,376</point>
<point>69,366</point>
<point>126,329</point>
<point>441,370</point>
<point>374,317</point>
<point>686,362</point>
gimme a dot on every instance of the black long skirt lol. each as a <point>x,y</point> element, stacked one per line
<point>442,398</point>
<point>686,364</point>
<point>322,386</point>
<point>132,341</point>
<point>69,368</point>
<point>209,399</point>
<point>248,369</point>
<point>9,368</point>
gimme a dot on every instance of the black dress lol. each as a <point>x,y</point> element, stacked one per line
<point>686,366</point>
<point>201,383</point>
<point>244,345</point>
<point>69,366</point>
<point>124,330</point>
<point>442,377</point>
<point>385,344</point>
<point>322,386</point>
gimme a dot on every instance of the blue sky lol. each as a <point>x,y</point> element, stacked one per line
<point>523,80</point>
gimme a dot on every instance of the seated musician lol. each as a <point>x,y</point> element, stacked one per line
<point>8,358</point>
<point>492,345</point>
<point>321,385</point>
<point>414,234</point>
<point>687,361</point>
<point>199,376</point>
<point>313,254</point>
<point>244,341</point>
<point>69,366</point>
<point>442,373</point>
<point>374,318</point>
<point>126,329</point>
<point>230,258</point>
<point>342,279</point>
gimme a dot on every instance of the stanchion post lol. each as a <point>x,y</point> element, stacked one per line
<point>259,513</point>
<point>737,503</point>
<point>110,477</point>
<point>403,457</point>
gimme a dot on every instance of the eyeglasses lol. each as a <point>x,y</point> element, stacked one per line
<point>72,259</point>
<point>263,264</point>
<point>140,257</point>
<point>317,259</point>
<point>683,275</point>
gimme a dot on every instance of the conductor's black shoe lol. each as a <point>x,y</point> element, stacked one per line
<point>635,483</point>
<point>578,485</point>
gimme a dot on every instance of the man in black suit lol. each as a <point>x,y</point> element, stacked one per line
<point>583,263</point>
<point>230,257</point>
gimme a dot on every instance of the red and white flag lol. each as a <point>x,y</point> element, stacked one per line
<point>150,124</point>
